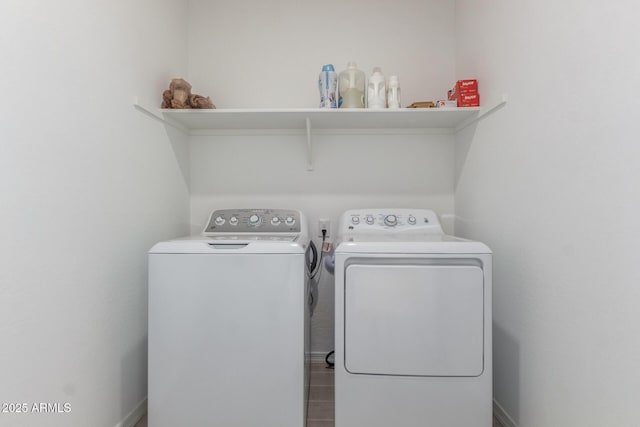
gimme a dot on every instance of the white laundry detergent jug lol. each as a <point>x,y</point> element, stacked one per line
<point>376,90</point>
<point>393,92</point>
<point>351,87</point>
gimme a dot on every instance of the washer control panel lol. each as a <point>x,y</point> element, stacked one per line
<point>253,221</point>
<point>389,220</point>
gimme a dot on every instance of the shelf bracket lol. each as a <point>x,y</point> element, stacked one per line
<point>483,113</point>
<point>154,115</point>
<point>309,146</point>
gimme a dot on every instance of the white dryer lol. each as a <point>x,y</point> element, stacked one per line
<point>229,323</point>
<point>413,323</point>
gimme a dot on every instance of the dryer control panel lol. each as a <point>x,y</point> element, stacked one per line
<point>375,221</point>
<point>253,221</point>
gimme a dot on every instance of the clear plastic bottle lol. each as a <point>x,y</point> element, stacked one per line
<point>393,92</point>
<point>351,87</point>
<point>376,90</point>
<point>328,86</point>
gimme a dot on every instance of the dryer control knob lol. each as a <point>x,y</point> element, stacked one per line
<point>355,220</point>
<point>219,220</point>
<point>390,220</point>
<point>412,220</point>
<point>233,220</point>
<point>370,220</point>
<point>290,220</point>
<point>254,220</point>
<point>275,220</point>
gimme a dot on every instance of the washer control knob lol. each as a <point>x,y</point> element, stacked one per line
<point>290,220</point>
<point>412,220</point>
<point>275,220</point>
<point>355,220</point>
<point>219,220</point>
<point>233,220</point>
<point>390,220</point>
<point>254,220</point>
<point>370,220</point>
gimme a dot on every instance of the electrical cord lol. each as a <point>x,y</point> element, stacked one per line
<point>319,266</point>
<point>312,264</point>
<point>318,272</point>
<point>330,365</point>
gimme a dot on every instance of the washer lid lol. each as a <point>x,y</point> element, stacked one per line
<point>242,245</point>
<point>227,238</point>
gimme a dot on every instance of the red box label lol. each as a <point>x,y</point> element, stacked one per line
<point>469,100</point>
<point>466,86</point>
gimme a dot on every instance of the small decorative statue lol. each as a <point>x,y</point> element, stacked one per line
<point>179,96</point>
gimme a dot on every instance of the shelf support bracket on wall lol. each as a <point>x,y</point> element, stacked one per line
<point>309,146</point>
<point>154,115</point>
<point>484,113</point>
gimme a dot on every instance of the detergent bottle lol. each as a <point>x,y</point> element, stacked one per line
<point>328,86</point>
<point>376,90</point>
<point>393,92</point>
<point>351,87</point>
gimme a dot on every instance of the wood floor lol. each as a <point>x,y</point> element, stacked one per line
<point>321,397</point>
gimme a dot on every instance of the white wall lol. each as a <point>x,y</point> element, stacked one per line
<point>252,53</point>
<point>550,182</point>
<point>256,54</point>
<point>87,185</point>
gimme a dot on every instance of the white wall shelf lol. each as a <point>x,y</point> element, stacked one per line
<point>316,120</point>
<point>325,119</point>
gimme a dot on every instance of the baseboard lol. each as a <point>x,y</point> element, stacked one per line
<point>502,416</point>
<point>134,416</point>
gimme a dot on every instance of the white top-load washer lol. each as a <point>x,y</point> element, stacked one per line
<point>413,323</point>
<point>229,323</point>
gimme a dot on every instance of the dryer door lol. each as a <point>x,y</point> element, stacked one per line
<point>414,320</point>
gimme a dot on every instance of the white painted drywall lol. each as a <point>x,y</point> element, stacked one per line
<point>550,182</point>
<point>253,53</point>
<point>87,185</point>
<point>256,54</point>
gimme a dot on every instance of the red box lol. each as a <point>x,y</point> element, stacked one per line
<point>463,86</point>
<point>469,100</point>
<point>465,92</point>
